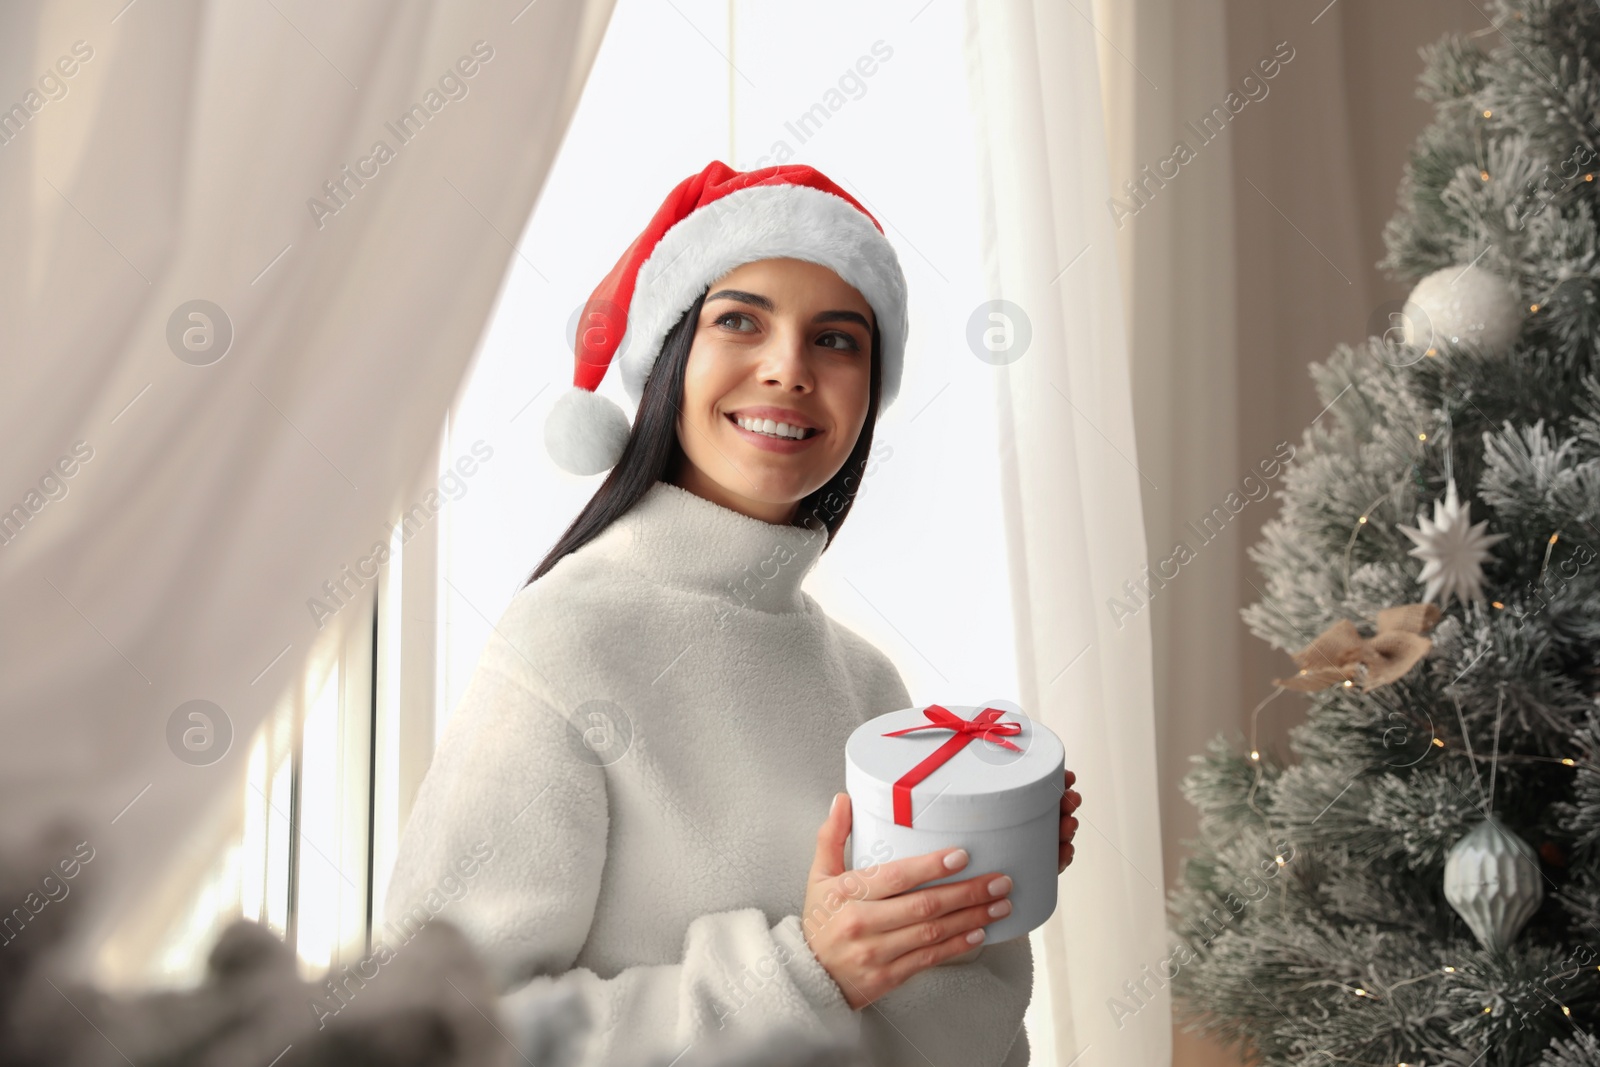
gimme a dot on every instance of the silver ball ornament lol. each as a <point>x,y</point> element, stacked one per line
<point>1492,880</point>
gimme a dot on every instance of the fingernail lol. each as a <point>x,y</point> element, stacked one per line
<point>1000,885</point>
<point>1000,908</point>
<point>835,805</point>
<point>976,936</point>
<point>956,860</point>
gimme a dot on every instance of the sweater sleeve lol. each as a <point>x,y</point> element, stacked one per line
<point>970,1010</point>
<point>507,839</point>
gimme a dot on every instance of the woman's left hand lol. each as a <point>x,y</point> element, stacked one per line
<point>1069,825</point>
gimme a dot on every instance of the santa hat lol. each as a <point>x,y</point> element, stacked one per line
<point>711,223</point>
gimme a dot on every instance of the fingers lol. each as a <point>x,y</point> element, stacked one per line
<point>829,859</point>
<point>892,879</point>
<point>1069,827</point>
<point>964,926</point>
<point>926,913</point>
<point>1070,798</point>
<point>908,964</point>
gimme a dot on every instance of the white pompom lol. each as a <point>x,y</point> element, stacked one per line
<point>1463,305</point>
<point>585,432</point>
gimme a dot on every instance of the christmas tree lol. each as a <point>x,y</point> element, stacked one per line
<point>1418,881</point>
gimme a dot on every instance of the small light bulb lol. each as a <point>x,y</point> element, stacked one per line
<point>1487,113</point>
<point>1281,860</point>
<point>1361,992</point>
<point>1484,175</point>
<point>1254,754</point>
<point>1438,742</point>
<point>1497,604</point>
<point>1422,437</point>
<point>1569,763</point>
<point>1348,683</point>
<point>1449,970</point>
<point>1588,177</point>
<point>1362,520</point>
<point>1533,307</point>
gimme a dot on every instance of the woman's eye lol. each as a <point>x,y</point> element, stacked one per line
<point>849,341</point>
<point>729,315</point>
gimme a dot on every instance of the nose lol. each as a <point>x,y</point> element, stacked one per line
<point>785,361</point>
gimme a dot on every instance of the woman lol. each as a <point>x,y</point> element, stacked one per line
<point>632,773</point>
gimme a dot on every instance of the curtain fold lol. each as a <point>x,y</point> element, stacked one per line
<point>1071,487</point>
<point>1164,64</point>
<point>249,250</point>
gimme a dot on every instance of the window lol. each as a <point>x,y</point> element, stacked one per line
<point>307,845</point>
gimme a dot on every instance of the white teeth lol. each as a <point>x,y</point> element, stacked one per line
<point>773,429</point>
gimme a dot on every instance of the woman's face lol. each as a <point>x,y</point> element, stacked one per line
<point>779,341</point>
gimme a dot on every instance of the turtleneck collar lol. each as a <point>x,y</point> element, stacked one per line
<point>679,539</point>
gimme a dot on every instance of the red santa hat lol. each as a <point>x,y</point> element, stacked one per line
<point>709,224</point>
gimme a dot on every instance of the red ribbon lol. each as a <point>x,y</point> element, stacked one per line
<point>981,726</point>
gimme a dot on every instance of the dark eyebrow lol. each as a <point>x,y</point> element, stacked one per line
<point>757,300</point>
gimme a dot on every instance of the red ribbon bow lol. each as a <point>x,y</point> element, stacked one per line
<point>981,726</point>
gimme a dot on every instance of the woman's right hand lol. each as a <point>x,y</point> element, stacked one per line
<point>872,935</point>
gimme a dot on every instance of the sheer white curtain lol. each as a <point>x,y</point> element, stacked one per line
<point>232,328</point>
<point>1071,483</point>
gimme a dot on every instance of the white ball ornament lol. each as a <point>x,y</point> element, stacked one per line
<point>1463,306</point>
<point>585,432</point>
<point>1492,880</point>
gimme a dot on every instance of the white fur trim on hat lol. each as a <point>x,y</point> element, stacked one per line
<point>764,222</point>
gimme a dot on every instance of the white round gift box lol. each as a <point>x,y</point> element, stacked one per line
<point>1002,806</point>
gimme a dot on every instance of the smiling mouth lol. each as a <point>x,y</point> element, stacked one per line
<point>778,431</point>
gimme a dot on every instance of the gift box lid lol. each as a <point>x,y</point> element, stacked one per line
<point>984,785</point>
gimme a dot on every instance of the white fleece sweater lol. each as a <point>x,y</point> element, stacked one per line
<point>645,751</point>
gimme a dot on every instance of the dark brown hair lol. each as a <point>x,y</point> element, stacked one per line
<point>653,454</point>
